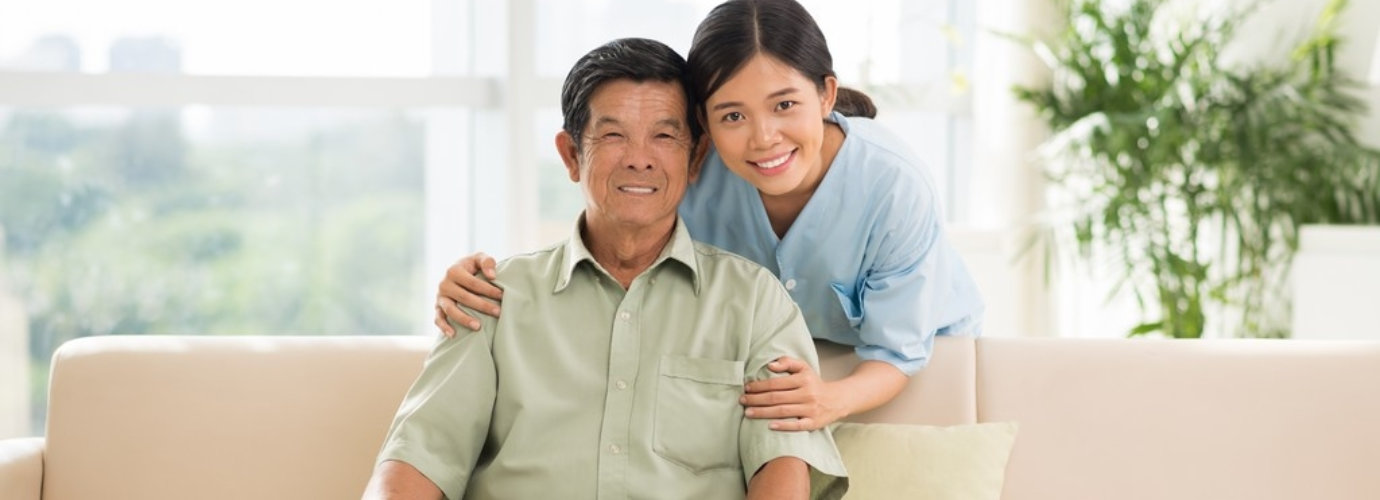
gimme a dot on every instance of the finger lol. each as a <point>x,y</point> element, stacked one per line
<point>457,278</point>
<point>801,424</point>
<point>454,294</point>
<point>778,411</point>
<point>773,398</point>
<point>488,264</point>
<point>443,325</point>
<point>455,314</point>
<point>786,383</point>
<point>787,364</point>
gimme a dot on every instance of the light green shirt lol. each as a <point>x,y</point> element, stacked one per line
<point>584,390</point>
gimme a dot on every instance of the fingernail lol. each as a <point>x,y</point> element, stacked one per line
<point>748,412</point>
<point>742,400</point>
<point>774,426</point>
<point>474,325</point>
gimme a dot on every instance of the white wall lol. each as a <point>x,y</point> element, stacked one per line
<point>1006,185</point>
<point>988,257</point>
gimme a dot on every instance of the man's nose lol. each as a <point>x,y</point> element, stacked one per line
<point>639,155</point>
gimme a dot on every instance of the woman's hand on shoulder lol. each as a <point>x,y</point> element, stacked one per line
<point>463,286</point>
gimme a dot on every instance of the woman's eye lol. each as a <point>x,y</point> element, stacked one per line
<point>733,117</point>
<point>785,105</point>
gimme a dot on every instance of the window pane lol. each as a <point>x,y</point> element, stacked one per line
<point>212,221</point>
<point>247,37</point>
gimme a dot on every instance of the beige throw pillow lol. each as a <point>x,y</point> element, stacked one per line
<point>922,462</point>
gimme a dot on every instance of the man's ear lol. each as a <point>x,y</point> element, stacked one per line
<point>697,157</point>
<point>570,154</point>
<point>829,96</point>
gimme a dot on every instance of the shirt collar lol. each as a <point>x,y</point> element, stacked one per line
<point>681,249</point>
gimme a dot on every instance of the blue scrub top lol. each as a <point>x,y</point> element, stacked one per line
<point>867,260</point>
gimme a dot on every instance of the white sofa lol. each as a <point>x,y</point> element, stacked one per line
<point>161,417</point>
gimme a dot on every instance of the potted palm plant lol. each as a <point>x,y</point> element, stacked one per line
<point>1191,178</point>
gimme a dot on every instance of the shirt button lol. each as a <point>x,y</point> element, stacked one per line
<point>614,449</point>
<point>790,284</point>
<point>624,315</point>
<point>621,385</point>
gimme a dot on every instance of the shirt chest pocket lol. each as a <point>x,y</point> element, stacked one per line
<point>697,411</point>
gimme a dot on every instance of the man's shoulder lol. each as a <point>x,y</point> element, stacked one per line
<point>527,267</point>
<point>719,264</point>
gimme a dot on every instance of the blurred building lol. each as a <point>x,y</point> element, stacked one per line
<point>145,55</point>
<point>55,53</point>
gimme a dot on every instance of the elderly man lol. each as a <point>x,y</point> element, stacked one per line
<point>617,369</point>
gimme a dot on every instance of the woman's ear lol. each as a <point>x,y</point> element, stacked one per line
<point>570,154</point>
<point>829,95</point>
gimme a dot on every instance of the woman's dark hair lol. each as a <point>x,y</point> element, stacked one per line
<point>736,30</point>
<point>636,59</point>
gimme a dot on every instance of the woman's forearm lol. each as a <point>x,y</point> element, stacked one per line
<point>872,384</point>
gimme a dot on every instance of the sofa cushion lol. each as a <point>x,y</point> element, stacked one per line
<point>150,417</point>
<point>1185,419</point>
<point>900,461</point>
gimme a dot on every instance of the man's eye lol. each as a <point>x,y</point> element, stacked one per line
<point>785,105</point>
<point>612,135</point>
<point>733,117</point>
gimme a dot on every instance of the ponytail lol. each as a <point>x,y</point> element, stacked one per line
<point>854,103</point>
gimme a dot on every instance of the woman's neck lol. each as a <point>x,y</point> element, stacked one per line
<point>783,209</point>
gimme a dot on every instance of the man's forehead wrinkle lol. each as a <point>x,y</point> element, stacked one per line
<point>672,122</point>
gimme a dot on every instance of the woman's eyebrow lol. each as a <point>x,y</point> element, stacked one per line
<point>773,95</point>
<point>785,91</point>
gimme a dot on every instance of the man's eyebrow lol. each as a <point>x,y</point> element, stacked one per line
<point>671,122</point>
<point>605,120</point>
<point>779,93</point>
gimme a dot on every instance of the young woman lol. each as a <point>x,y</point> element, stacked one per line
<point>838,208</point>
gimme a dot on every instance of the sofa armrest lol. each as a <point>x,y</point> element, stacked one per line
<point>21,468</point>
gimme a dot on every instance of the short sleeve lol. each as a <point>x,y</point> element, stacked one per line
<point>442,423</point>
<point>917,288</point>
<point>779,330</point>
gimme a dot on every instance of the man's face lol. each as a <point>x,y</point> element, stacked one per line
<point>634,163</point>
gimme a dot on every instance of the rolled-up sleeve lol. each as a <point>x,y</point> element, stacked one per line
<point>779,330</point>
<point>442,423</point>
<point>918,288</point>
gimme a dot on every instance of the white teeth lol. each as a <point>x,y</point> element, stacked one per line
<point>637,190</point>
<point>774,163</point>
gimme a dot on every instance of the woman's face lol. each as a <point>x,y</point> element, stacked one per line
<point>767,122</point>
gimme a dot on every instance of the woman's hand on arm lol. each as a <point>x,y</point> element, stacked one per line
<point>801,401</point>
<point>463,286</point>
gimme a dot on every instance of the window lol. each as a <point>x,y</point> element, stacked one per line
<point>313,167</point>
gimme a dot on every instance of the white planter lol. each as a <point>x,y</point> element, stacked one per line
<point>1336,280</point>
